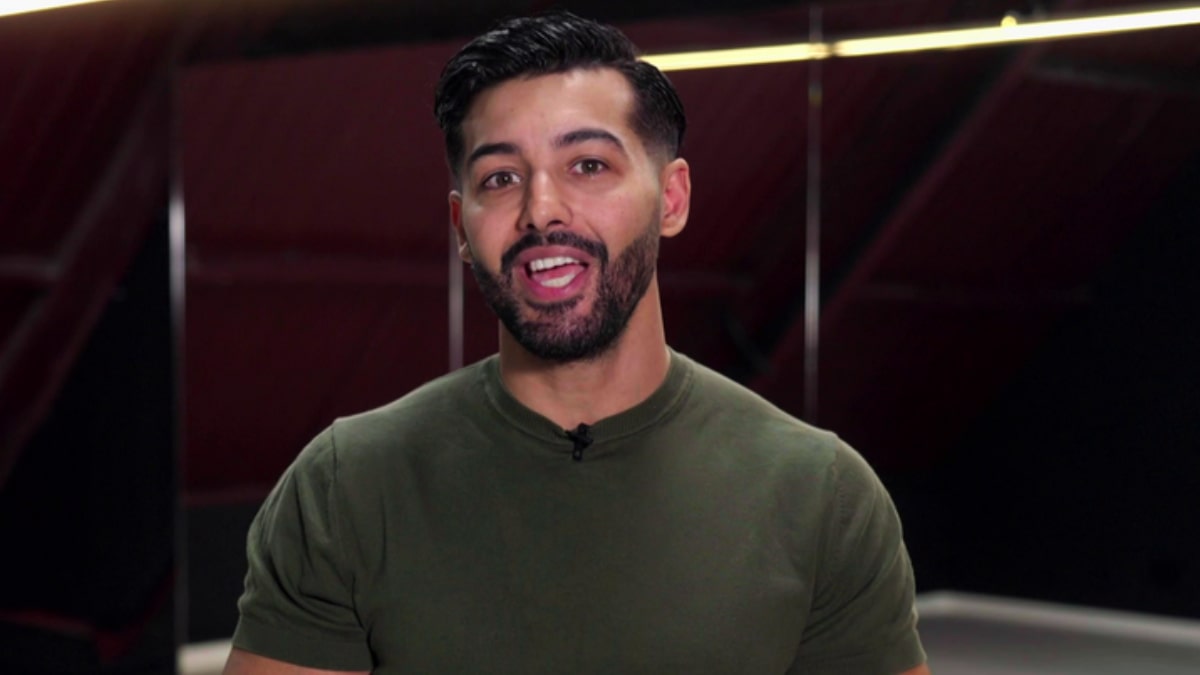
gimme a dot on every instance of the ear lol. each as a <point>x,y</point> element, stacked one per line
<point>676,181</point>
<point>464,247</point>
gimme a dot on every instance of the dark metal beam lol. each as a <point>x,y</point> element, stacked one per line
<point>28,271</point>
<point>702,283</point>
<point>975,298</point>
<point>313,270</point>
<point>104,237</point>
<point>1158,81</point>
<point>905,215</point>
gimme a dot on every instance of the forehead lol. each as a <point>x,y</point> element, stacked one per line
<point>535,110</point>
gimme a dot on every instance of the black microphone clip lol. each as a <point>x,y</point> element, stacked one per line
<point>581,436</point>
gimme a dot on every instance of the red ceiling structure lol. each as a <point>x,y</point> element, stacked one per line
<point>968,199</point>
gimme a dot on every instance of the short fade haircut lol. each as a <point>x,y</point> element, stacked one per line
<point>550,43</point>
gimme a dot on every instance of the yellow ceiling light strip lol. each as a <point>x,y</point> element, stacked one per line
<point>747,56</point>
<point>10,7</point>
<point>1018,32</point>
<point>1010,30</point>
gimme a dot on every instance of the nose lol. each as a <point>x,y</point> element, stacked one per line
<point>545,206</point>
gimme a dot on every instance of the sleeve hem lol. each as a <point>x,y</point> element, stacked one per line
<point>305,650</point>
<point>901,656</point>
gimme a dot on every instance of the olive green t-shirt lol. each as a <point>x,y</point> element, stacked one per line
<point>702,531</point>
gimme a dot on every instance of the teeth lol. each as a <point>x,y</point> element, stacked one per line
<point>559,282</point>
<point>542,264</point>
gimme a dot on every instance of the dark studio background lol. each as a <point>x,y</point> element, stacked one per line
<point>1010,305</point>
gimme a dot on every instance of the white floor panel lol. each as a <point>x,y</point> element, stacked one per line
<point>978,635</point>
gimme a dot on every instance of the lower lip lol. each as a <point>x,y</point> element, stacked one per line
<point>548,294</point>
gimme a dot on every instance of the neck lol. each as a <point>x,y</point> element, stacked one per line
<point>590,390</point>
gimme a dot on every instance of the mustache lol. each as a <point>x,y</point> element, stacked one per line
<point>556,238</point>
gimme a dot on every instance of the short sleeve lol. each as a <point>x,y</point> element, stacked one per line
<point>298,604</point>
<point>863,619</point>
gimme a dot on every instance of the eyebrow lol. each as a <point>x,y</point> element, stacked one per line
<point>491,149</point>
<point>587,134</point>
<point>567,139</point>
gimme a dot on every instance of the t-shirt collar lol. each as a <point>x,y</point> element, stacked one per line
<point>663,402</point>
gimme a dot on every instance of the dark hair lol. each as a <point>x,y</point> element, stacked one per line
<point>554,43</point>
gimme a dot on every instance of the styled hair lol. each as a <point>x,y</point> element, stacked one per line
<point>550,43</point>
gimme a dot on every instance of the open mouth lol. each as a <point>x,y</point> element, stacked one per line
<point>554,272</point>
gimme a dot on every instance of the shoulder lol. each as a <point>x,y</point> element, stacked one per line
<point>448,406</point>
<point>437,397</point>
<point>782,452</point>
<point>730,412</point>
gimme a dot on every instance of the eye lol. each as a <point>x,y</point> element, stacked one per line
<point>500,180</point>
<point>589,167</point>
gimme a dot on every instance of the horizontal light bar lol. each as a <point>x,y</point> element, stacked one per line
<point>747,56</point>
<point>25,6</point>
<point>1009,31</point>
<point>1018,32</point>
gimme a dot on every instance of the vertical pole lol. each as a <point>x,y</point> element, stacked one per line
<point>812,227</point>
<point>177,250</point>
<point>454,303</point>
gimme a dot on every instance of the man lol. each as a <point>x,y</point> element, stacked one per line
<point>586,501</point>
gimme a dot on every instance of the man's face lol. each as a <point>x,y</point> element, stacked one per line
<point>561,208</point>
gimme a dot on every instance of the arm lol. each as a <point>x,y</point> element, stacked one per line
<point>863,618</point>
<point>298,606</point>
<point>242,662</point>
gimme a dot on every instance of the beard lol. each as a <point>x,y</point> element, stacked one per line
<point>555,333</point>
